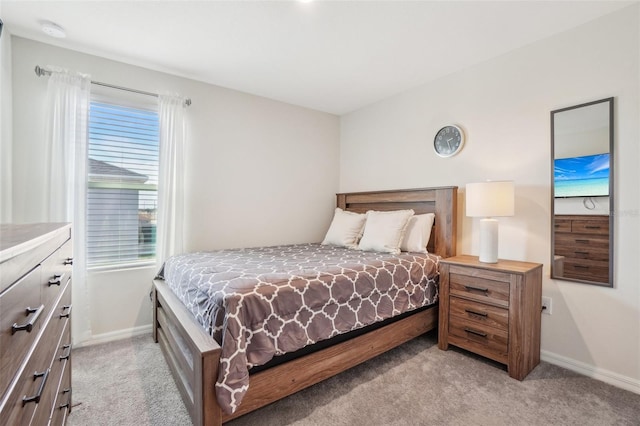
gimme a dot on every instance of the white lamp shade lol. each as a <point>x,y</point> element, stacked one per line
<point>490,199</point>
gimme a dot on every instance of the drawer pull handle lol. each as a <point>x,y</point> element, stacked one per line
<point>477,333</point>
<point>472,288</point>
<point>581,267</point>
<point>68,354</point>
<point>592,226</point>
<point>36,398</point>
<point>581,252</point>
<point>480,314</point>
<point>68,261</point>
<point>28,326</point>
<point>56,280</point>
<point>67,404</point>
<point>64,308</point>
<point>581,240</point>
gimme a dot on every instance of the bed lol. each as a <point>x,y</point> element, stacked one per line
<point>195,358</point>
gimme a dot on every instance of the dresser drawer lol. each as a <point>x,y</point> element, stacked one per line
<point>62,405</point>
<point>585,226</point>
<point>31,399</point>
<point>479,313</point>
<point>487,341</point>
<point>59,323</point>
<point>56,272</point>
<point>21,315</point>
<point>63,354</point>
<point>480,285</point>
<point>582,251</point>
<point>586,270</point>
<point>59,369</point>
<point>562,225</point>
<point>582,241</point>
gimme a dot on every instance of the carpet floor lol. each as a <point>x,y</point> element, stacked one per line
<point>128,383</point>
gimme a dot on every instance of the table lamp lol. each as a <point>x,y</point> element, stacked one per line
<point>489,200</point>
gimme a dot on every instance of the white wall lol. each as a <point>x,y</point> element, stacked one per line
<point>258,172</point>
<point>504,106</point>
<point>5,126</point>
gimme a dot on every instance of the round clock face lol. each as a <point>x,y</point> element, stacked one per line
<point>448,141</point>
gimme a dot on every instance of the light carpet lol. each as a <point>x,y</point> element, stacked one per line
<point>128,383</point>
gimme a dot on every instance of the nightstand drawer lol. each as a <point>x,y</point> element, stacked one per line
<point>479,313</point>
<point>481,285</point>
<point>481,339</point>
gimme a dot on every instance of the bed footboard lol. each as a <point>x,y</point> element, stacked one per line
<point>192,355</point>
<point>286,379</point>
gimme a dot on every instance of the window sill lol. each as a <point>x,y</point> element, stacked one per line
<point>122,267</point>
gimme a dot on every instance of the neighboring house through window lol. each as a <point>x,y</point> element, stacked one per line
<point>122,183</point>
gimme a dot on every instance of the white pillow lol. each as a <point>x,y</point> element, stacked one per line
<point>383,231</point>
<point>346,229</point>
<point>418,233</point>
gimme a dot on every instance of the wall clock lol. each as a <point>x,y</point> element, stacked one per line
<point>448,141</point>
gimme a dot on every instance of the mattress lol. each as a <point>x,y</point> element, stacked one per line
<point>261,302</point>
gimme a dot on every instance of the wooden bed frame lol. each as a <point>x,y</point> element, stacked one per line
<point>193,355</point>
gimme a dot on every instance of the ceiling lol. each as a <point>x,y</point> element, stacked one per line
<point>334,56</point>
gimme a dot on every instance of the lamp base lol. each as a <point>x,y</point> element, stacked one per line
<point>488,240</point>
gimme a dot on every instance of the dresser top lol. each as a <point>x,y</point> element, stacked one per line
<point>16,239</point>
<point>512,266</point>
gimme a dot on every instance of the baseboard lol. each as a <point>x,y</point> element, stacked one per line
<point>615,379</point>
<point>114,335</point>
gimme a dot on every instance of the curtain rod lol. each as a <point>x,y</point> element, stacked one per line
<point>42,71</point>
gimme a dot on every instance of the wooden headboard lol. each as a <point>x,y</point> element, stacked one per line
<point>443,201</point>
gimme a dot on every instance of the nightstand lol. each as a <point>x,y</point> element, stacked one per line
<point>493,310</point>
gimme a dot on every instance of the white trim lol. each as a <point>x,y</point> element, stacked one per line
<point>115,335</point>
<point>122,266</point>
<point>615,379</point>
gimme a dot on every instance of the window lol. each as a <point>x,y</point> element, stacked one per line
<point>122,192</point>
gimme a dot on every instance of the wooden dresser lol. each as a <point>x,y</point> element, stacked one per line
<point>492,309</point>
<point>35,334</point>
<point>581,246</point>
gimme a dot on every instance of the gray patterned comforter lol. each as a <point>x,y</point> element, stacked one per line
<point>262,302</point>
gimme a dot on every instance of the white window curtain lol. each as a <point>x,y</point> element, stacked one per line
<point>67,109</point>
<point>169,228</point>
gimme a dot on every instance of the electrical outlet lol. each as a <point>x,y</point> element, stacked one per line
<point>546,305</point>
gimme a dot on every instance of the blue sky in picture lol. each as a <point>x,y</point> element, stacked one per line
<point>587,167</point>
<point>586,176</point>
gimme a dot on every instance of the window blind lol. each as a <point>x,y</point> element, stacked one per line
<point>122,194</point>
